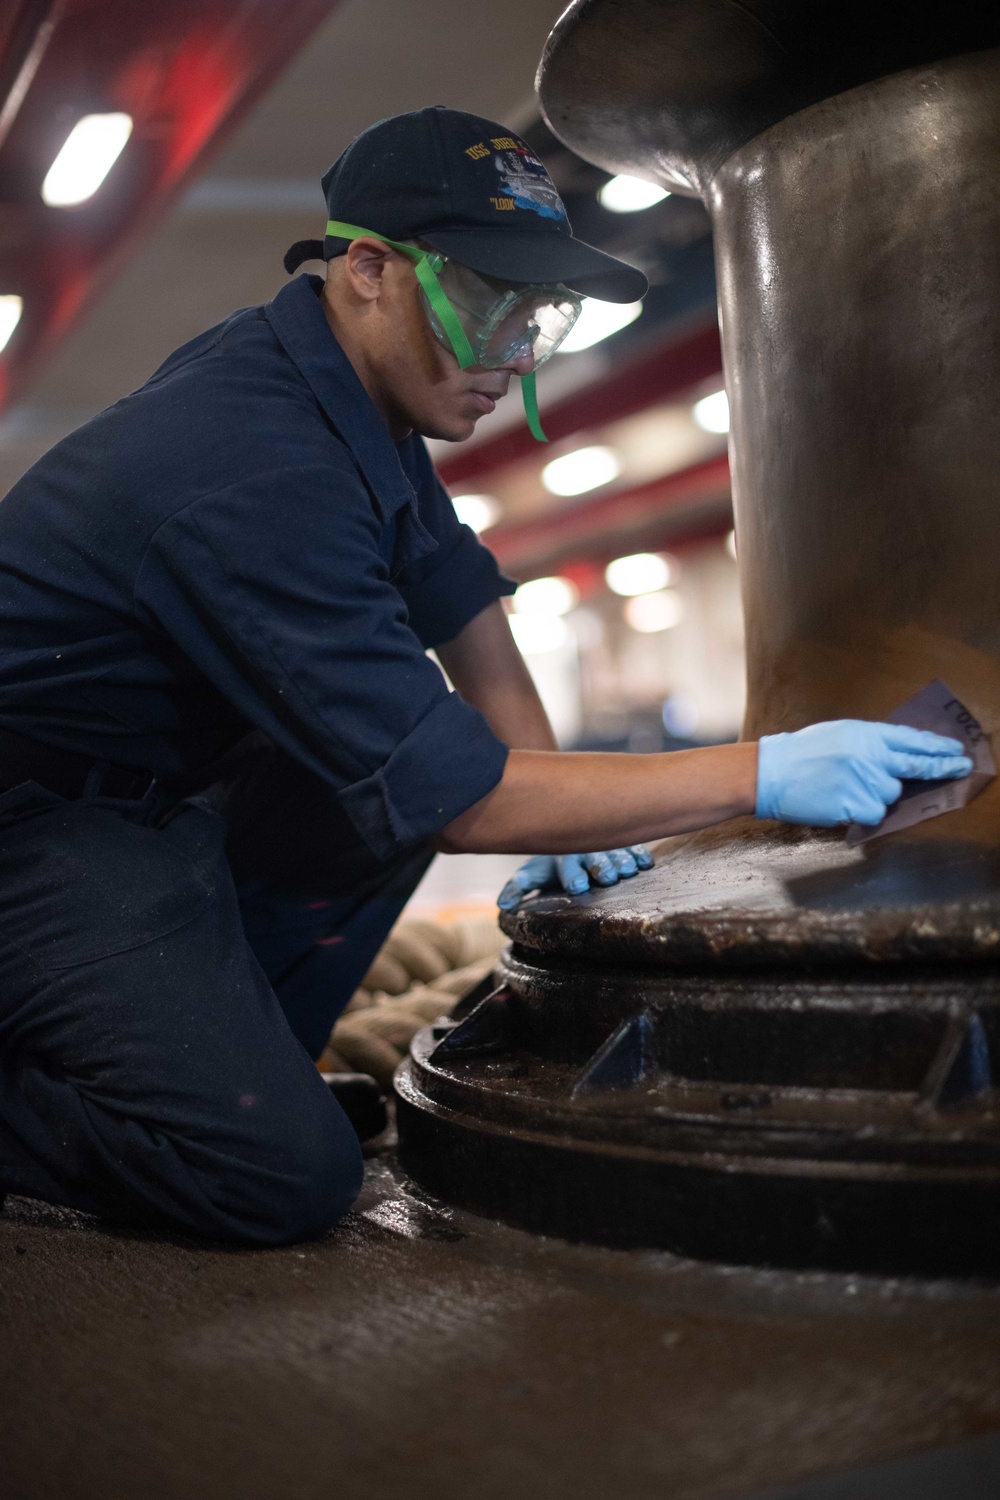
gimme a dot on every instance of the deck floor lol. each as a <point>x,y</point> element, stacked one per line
<point>418,1353</point>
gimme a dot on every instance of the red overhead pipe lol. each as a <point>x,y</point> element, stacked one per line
<point>524,547</point>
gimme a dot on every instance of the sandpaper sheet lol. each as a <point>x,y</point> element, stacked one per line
<point>936,708</point>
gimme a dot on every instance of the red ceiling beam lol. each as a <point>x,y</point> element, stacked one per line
<point>653,376</point>
<point>601,524</point>
<point>187,71</point>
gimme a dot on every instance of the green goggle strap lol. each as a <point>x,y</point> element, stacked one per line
<point>436,296</point>
<point>530,396</point>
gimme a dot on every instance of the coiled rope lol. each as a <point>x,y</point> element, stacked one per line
<point>422,970</point>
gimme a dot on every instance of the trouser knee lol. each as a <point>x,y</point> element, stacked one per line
<point>293,1183</point>
<point>313,1193</point>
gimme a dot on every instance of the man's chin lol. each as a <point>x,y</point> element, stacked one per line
<point>455,430</point>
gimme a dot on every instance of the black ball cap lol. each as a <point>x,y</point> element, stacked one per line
<point>471,189</point>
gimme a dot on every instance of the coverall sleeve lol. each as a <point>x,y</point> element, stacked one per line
<point>276,588</point>
<point>449,587</point>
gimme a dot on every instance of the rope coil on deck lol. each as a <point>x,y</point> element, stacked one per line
<point>422,970</point>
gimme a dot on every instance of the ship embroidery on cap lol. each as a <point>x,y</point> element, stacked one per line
<point>525,180</point>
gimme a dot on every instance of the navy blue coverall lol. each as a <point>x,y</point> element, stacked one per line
<point>235,555</point>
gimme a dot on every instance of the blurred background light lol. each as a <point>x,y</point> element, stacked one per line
<point>90,151</point>
<point>478,511</point>
<point>536,635</point>
<point>583,470</point>
<point>588,628</point>
<point>597,321</point>
<point>11,308</point>
<point>731,545</point>
<point>648,613</point>
<point>640,573</point>
<point>712,412</point>
<point>546,596</point>
<point>625,195</point>
<point>680,715</point>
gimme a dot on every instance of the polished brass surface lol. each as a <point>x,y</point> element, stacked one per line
<point>858,255</point>
<point>858,250</point>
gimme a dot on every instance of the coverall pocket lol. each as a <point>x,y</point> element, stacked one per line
<point>79,882</point>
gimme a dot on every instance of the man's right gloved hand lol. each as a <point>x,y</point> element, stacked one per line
<point>848,771</point>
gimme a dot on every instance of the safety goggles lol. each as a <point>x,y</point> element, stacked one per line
<point>484,322</point>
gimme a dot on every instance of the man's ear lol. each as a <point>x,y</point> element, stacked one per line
<point>364,267</point>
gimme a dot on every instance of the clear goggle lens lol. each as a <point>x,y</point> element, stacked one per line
<point>503,322</point>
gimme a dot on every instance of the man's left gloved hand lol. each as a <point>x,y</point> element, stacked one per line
<point>574,872</point>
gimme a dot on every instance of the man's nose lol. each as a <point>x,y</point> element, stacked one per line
<point>523,363</point>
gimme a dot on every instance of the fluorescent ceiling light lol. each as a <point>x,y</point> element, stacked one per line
<point>625,195</point>
<point>91,150</point>
<point>598,320</point>
<point>712,412</point>
<point>649,613</point>
<point>11,308</point>
<point>537,635</point>
<point>478,511</point>
<point>575,473</point>
<point>546,596</point>
<point>640,573</point>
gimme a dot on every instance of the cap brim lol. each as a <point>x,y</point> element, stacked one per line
<point>542,256</point>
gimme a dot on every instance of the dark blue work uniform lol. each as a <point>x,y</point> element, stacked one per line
<point>236,555</point>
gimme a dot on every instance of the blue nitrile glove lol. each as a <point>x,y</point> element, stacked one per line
<point>574,872</point>
<point>848,771</point>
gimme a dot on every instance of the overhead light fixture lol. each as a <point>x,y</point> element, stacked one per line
<point>478,511</point>
<point>11,308</point>
<point>90,151</point>
<point>597,321</point>
<point>648,613</point>
<point>583,470</point>
<point>712,412</point>
<point>640,573</point>
<point>546,596</point>
<point>537,635</point>
<point>626,195</point>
